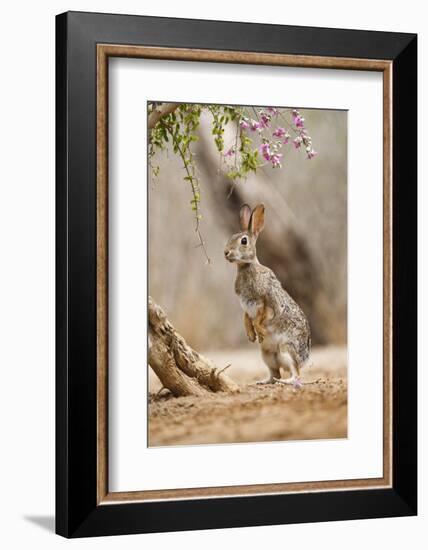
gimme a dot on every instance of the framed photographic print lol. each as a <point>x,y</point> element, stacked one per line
<point>236,274</point>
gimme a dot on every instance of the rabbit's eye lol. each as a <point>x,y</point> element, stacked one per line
<point>244,240</point>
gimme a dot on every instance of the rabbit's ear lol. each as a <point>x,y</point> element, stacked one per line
<point>244,217</point>
<point>257,221</point>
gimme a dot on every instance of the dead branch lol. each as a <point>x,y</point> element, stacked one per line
<point>180,368</point>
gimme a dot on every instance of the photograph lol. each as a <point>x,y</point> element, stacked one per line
<point>247,273</point>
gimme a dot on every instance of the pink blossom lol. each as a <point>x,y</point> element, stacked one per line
<point>279,132</point>
<point>265,151</point>
<point>297,142</point>
<point>276,159</point>
<point>243,124</point>
<point>311,154</point>
<point>272,111</point>
<point>230,152</point>
<point>298,121</point>
<point>297,384</point>
<point>286,139</point>
<point>306,140</point>
<point>264,121</point>
<point>254,125</point>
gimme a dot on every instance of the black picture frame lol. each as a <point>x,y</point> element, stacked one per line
<point>77,511</point>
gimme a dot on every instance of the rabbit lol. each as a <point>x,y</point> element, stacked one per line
<point>270,314</point>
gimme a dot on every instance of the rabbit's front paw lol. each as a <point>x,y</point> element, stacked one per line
<point>249,328</point>
<point>260,338</point>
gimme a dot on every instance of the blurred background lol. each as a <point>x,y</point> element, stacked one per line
<point>304,241</point>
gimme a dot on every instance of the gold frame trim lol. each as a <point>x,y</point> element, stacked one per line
<point>104,51</point>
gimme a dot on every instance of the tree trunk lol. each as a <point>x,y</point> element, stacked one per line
<point>180,368</point>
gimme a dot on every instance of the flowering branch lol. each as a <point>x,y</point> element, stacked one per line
<point>179,123</point>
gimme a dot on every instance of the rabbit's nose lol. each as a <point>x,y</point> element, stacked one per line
<point>226,253</point>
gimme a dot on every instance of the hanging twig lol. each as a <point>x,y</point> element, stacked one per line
<point>194,184</point>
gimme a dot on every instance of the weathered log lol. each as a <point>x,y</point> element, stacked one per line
<point>180,368</point>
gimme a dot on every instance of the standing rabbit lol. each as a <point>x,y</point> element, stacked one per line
<point>270,314</point>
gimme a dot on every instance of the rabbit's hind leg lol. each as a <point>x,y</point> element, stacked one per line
<point>271,361</point>
<point>288,358</point>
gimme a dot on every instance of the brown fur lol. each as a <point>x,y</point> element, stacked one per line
<point>249,327</point>
<point>270,313</point>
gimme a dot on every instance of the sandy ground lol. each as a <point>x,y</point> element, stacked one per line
<point>258,413</point>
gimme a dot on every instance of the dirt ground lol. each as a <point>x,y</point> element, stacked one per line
<point>259,412</point>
